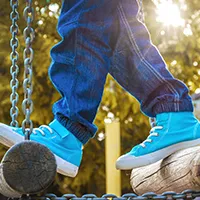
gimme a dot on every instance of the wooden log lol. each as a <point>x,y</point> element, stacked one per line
<point>178,172</point>
<point>27,168</point>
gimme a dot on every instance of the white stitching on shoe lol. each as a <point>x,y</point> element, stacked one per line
<point>152,133</point>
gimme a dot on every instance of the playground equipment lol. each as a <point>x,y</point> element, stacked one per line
<point>28,167</point>
<point>20,179</point>
<point>186,195</point>
<point>177,172</point>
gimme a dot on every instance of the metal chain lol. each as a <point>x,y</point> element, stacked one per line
<point>27,104</point>
<point>185,195</point>
<point>14,69</point>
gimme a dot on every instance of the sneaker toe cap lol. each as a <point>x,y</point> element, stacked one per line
<point>128,161</point>
<point>125,162</point>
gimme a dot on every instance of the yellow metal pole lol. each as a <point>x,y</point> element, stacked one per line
<point>112,141</point>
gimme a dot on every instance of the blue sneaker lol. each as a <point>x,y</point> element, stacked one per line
<point>65,146</point>
<point>173,131</point>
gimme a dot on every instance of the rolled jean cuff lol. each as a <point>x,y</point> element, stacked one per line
<point>166,106</point>
<point>81,132</point>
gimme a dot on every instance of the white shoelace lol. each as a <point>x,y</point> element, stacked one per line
<point>41,131</point>
<point>152,133</point>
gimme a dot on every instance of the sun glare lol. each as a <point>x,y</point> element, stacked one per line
<point>169,14</point>
<point>197,91</point>
<point>54,7</point>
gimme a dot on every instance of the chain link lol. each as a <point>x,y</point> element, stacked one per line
<point>27,104</point>
<point>185,195</point>
<point>14,69</point>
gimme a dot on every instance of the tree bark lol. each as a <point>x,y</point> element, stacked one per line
<point>178,172</point>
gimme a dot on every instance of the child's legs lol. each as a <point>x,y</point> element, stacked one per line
<point>80,62</point>
<point>138,66</point>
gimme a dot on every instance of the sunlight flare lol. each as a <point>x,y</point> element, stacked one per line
<point>169,14</point>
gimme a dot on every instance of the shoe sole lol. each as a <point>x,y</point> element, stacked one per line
<point>131,162</point>
<point>63,167</point>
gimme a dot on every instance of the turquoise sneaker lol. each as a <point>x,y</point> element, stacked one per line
<point>173,131</point>
<point>65,146</point>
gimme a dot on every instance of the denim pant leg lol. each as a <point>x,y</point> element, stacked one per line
<point>80,62</point>
<point>138,66</point>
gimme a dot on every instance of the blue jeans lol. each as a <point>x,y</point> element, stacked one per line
<point>101,37</point>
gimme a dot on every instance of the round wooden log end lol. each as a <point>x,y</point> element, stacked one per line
<point>5,189</point>
<point>27,168</point>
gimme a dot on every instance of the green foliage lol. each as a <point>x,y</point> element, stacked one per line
<point>180,52</point>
